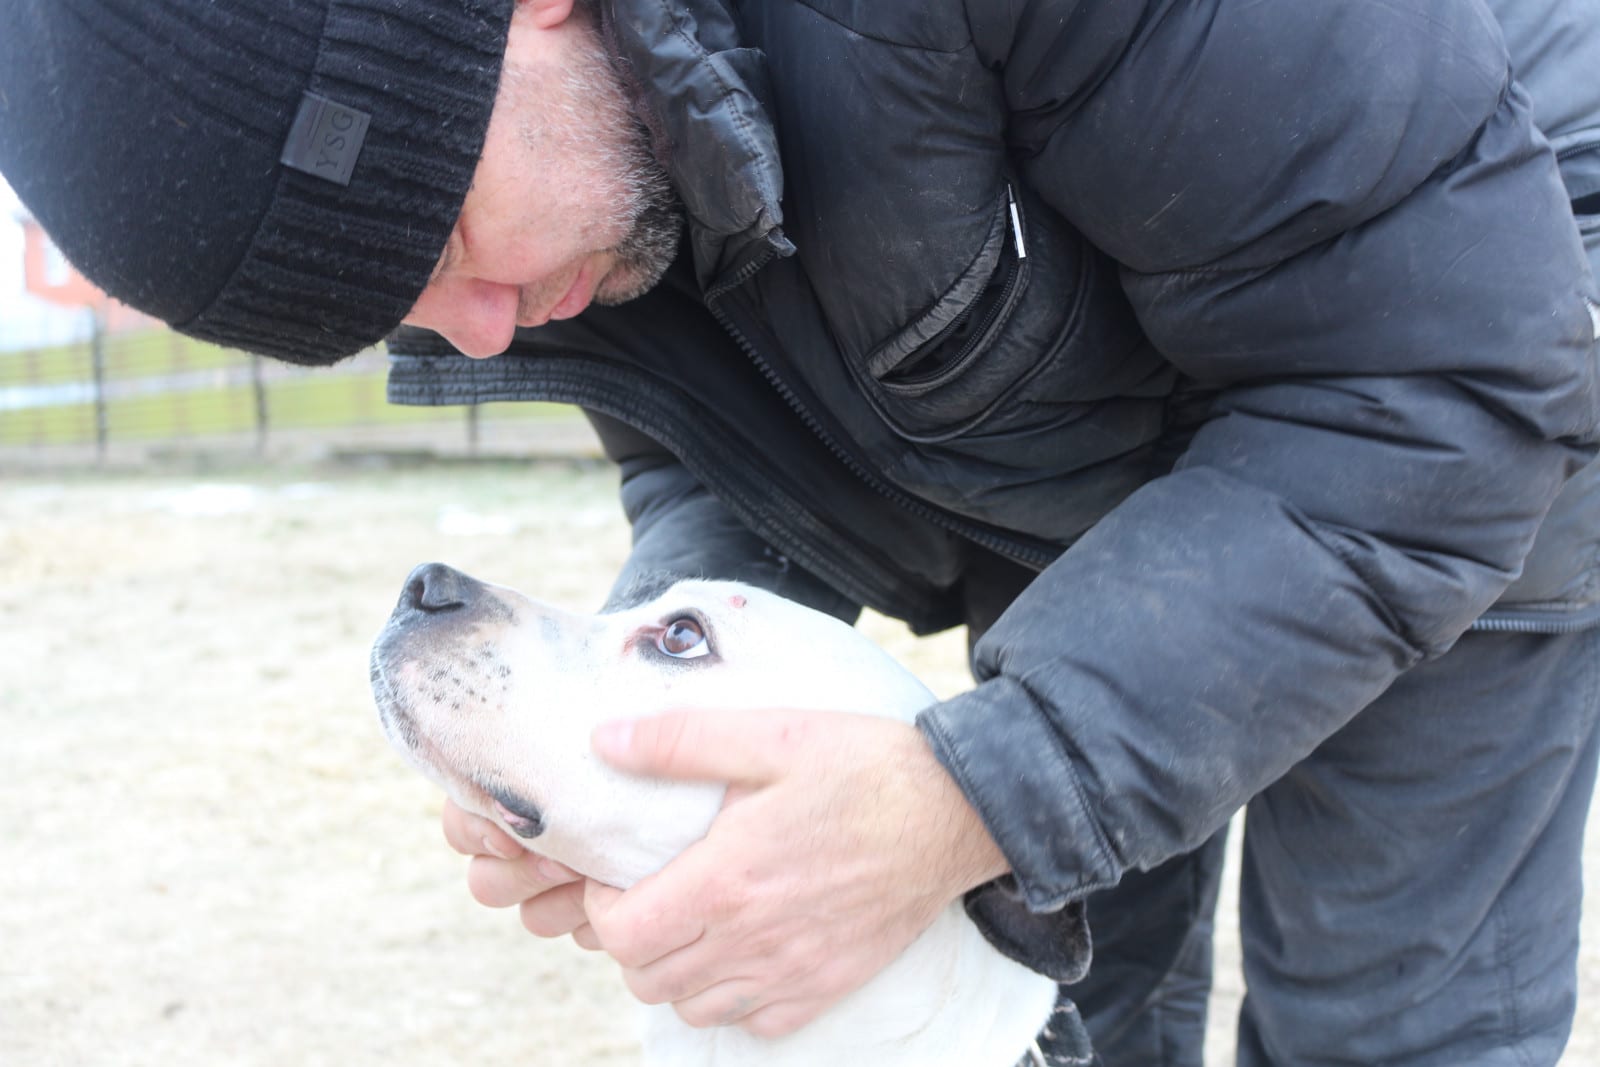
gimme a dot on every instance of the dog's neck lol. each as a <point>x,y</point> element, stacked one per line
<point>950,1000</point>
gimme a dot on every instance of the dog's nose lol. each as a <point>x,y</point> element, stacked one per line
<point>433,587</point>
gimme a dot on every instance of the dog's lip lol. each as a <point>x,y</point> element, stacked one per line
<point>522,815</point>
<point>400,724</point>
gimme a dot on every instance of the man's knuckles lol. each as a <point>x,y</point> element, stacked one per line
<point>661,985</point>
<point>585,938</point>
<point>724,1004</point>
<point>632,944</point>
<point>634,929</point>
<point>780,1020</point>
<point>555,912</point>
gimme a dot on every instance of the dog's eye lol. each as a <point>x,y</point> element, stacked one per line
<point>684,638</point>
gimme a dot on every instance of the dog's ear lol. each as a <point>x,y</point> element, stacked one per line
<point>1054,943</point>
<point>641,589</point>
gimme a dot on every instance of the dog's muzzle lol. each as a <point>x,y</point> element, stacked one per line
<point>436,602</point>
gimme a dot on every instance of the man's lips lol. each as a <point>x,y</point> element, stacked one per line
<point>579,293</point>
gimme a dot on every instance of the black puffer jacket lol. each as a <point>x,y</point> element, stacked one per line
<point>1272,376</point>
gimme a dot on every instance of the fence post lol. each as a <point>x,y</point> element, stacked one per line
<point>472,429</point>
<point>97,359</point>
<point>259,387</point>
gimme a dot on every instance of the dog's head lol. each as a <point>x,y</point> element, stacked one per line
<point>493,696</point>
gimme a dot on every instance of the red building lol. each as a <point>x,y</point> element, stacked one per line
<point>48,276</point>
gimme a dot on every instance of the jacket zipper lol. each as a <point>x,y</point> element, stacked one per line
<point>1007,288</point>
<point>1035,557</point>
<point>1502,624</point>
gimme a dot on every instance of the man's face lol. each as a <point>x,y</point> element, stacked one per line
<point>567,207</point>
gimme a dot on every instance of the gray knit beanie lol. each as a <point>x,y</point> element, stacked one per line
<point>273,175</point>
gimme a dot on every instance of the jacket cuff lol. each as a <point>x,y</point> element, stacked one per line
<point>1016,773</point>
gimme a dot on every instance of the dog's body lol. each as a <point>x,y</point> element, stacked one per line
<point>493,696</point>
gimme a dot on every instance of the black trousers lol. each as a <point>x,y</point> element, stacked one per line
<point>1409,894</point>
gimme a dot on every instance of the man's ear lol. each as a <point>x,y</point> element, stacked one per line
<point>546,14</point>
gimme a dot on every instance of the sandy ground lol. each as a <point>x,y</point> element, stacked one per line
<point>208,855</point>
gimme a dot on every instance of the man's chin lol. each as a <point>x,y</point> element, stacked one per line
<point>631,279</point>
<point>643,256</point>
<point>630,288</point>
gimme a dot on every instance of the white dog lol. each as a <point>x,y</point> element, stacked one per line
<point>493,696</point>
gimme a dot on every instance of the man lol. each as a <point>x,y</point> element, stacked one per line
<point>1228,368</point>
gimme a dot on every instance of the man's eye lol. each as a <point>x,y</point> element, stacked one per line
<point>684,638</point>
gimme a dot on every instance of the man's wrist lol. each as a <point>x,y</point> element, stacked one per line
<point>968,855</point>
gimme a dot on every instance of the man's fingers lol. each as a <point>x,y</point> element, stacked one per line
<point>781,1020</point>
<point>586,938</point>
<point>642,925</point>
<point>498,883</point>
<point>555,912</point>
<point>723,1004</point>
<point>704,745</point>
<point>737,1003</point>
<point>473,835</point>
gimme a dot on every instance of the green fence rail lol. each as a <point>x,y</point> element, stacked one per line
<point>158,386</point>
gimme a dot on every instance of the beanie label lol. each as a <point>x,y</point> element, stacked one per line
<point>325,139</point>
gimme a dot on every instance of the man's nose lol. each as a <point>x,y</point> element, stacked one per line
<point>479,318</point>
<point>435,588</point>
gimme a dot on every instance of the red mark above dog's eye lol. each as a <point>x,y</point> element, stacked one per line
<point>736,602</point>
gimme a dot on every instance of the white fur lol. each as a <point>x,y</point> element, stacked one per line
<point>504,694</point>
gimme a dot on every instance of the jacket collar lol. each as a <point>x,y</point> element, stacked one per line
<point>702,96</point>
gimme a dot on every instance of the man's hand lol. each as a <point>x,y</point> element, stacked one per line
<point>841,839</point>
<point>502,873</point>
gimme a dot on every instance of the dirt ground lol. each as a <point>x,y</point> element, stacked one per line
<point>208,854</point>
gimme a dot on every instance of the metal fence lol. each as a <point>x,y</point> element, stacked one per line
<point>158,388</point>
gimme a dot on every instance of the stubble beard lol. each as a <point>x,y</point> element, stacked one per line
<point>585,118</point>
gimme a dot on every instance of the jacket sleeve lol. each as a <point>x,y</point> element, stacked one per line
<point>680,530</point>
<point>1339,217</point>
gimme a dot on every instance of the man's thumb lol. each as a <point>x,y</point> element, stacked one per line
<point>710,746</point>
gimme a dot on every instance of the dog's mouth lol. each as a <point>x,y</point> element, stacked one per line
<point>392,712</point>
<point>520,814</point>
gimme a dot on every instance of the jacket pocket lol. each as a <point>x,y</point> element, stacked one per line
<point>935,349</point>
<point>943,375</point>
<point>1578,153</point>
<point>1035,333</point>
